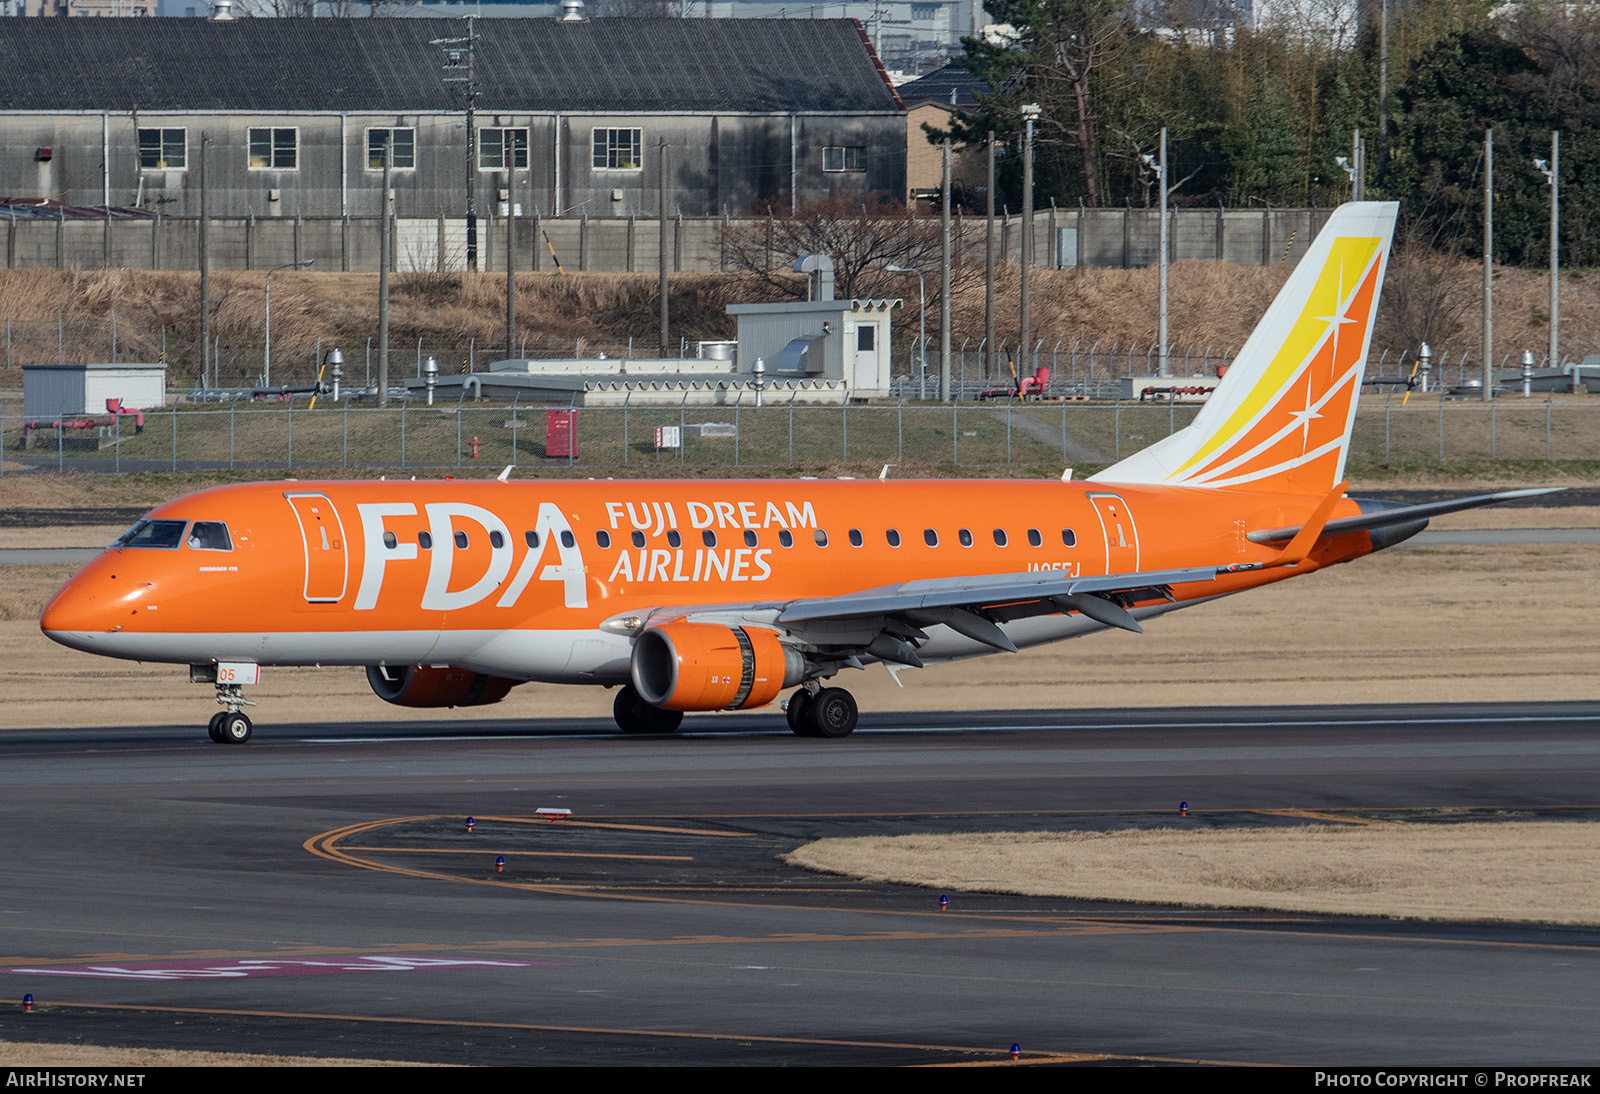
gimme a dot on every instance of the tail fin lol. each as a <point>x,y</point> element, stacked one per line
<point>1281,418</point>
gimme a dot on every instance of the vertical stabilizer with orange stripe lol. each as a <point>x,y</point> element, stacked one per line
<point>1281,418</point>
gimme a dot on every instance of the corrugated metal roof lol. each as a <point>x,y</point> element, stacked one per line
<point>389,65</point>
<point>936,86</point>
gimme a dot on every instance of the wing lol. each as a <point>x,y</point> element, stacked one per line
<point>1381,514</point>
<point>889,622</point>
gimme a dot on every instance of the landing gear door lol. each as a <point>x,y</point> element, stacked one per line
<point>1121,534</point>
<point>322,533</point>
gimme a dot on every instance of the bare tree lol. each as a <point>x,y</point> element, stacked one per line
<point>861,235</point>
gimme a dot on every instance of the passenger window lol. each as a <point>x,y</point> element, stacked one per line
<point>496,540</point>
<point>638,538</point>
<point>674,539</point>
<point>965,537</point>
<point>210,535</point>
<point>855,537</point>
<point>999,537</point>
<point>821,537</point>
<point>1034,538</point>
<point>1069,537</point>
<point>709,538</point>
<point>390,540</point>
<point>930,537</point>
<point>893,536</point>
<point>785,537</point>
<point>749,538</point>
<point>461,541</point>
<point>567,539</point>
<point>532,538</point>
<point>603,538</point>
<point>425,540</point>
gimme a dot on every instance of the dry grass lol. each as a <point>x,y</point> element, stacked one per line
<point>29,1054</point>
<point>1542,872</point>
<point>605,310</point>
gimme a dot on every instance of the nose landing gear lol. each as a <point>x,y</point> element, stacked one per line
<point>229,726</point>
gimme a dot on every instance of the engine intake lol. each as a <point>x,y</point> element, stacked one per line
<point>426,686</point>
<point>707,666</point>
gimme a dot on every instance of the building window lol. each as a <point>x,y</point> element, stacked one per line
<point>405,148</point>
<point>274,149</point>
<point>497,146</point>
<point>618,149</point>
<point>162,149</point>
<point>849,158</point>
<point>924,13</point>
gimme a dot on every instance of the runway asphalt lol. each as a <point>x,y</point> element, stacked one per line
<point>317,892</point>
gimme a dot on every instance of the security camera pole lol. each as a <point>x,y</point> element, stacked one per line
<point>1552,173</point>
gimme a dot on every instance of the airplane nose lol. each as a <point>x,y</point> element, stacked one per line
<point>75,612</point>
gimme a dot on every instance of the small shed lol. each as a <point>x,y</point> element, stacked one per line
<point>51,391</point>
<point>846,340</point>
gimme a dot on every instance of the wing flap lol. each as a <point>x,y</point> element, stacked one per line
<point>979,592</point>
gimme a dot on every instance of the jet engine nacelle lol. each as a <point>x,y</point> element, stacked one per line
<point>427,686</point>
<point>708,666</point>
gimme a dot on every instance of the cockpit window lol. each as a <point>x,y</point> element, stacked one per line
<point>165,534</point>
<point>210,535</point>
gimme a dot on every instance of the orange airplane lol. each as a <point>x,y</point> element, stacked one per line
<point>703,596</point>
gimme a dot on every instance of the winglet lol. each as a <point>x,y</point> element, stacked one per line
<point>505,476</point>
<point>1300,546</point>
<point>1066,476</point>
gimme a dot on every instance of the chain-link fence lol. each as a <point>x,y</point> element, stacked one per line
<point>964,437</point>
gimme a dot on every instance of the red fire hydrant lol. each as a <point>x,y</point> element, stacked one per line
<point>476,445</point>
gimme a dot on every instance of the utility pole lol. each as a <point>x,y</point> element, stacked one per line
<point>988,271</point>
<point>944,285</point>
<point>511,260</point>
<point>1166,247</point>
<point>661,253</point>
<point>205,262</point>
<point>384,243</point>
<point>1383,85</point>
<point>1488,265</point>
<point>460,57</point>
<point>1030,113</point>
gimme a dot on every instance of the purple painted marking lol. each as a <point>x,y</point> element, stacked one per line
<point>266,966</point>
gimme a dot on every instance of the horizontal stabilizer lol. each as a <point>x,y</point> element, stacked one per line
<point>1403,514</point>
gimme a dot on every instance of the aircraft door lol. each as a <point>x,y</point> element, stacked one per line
<point>1121,534</point>
<point>322,534</point>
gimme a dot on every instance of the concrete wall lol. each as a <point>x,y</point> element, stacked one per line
<point>1106,237</point>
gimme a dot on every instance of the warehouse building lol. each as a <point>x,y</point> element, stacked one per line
<point>569,114</point>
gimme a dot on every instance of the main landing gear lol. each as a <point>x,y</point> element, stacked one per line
<point>827,712</point>
<point>634,715</point>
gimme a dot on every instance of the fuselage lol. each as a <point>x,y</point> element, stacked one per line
<point>516,579</point>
